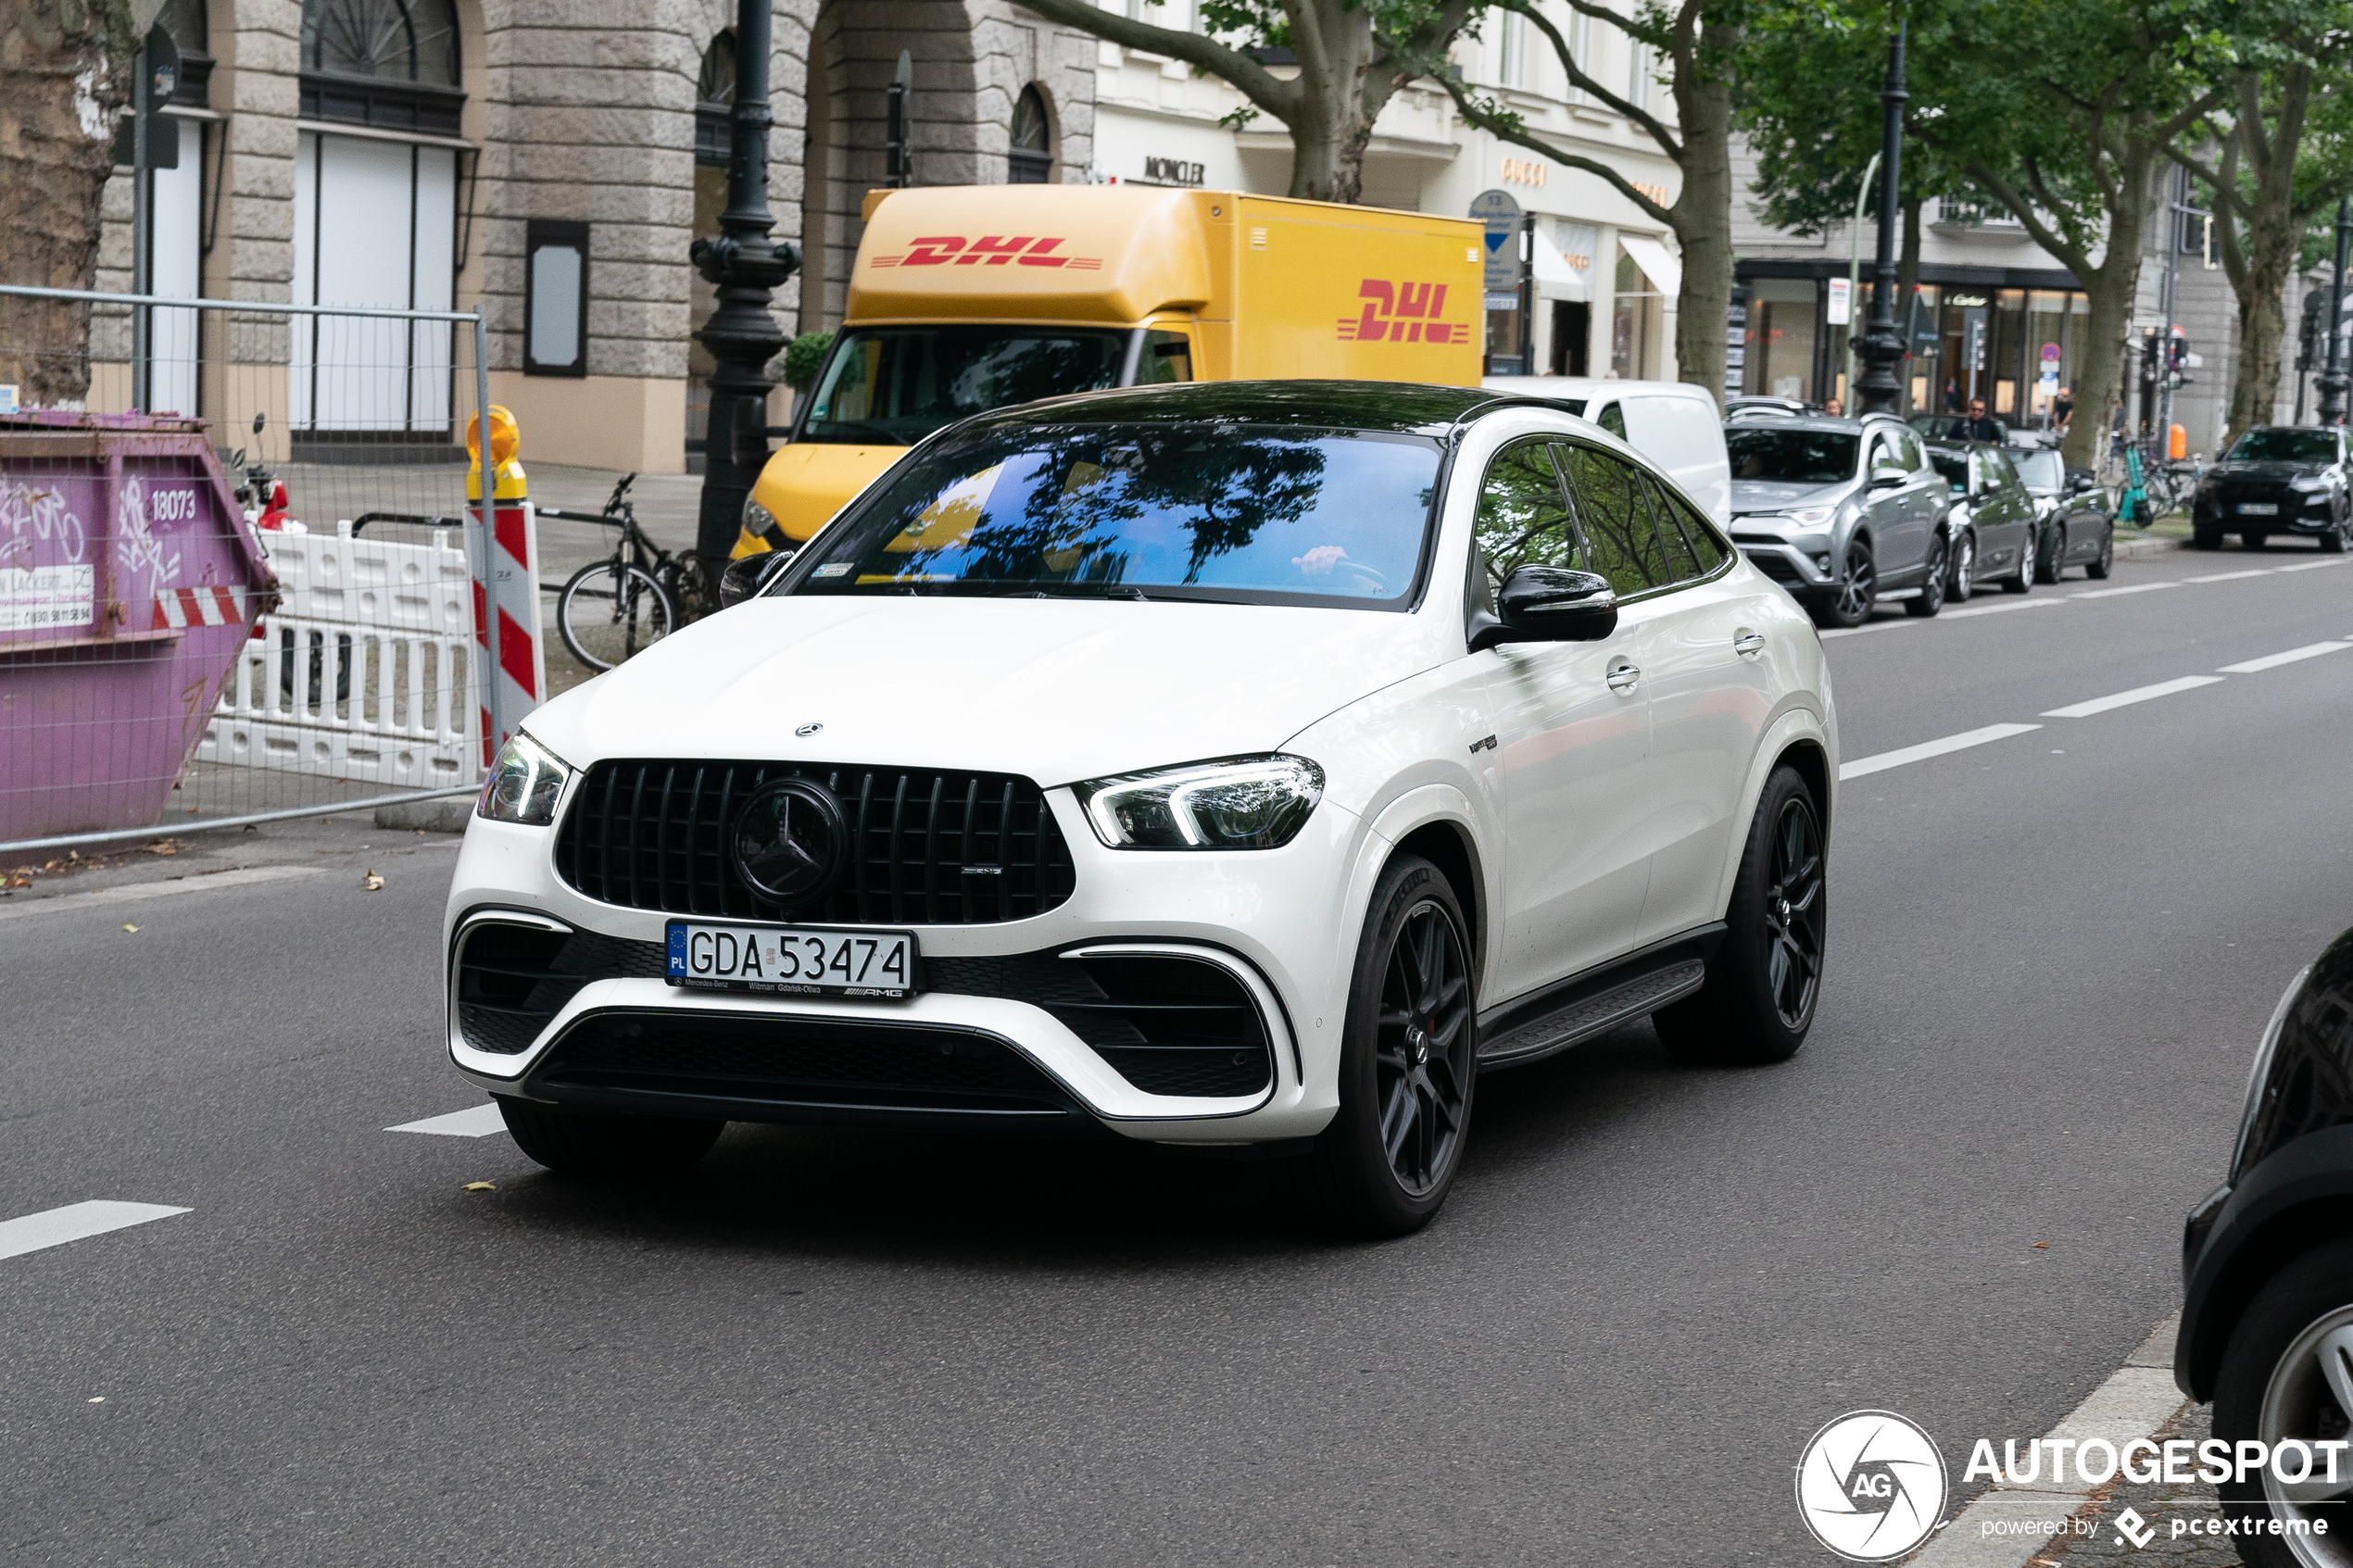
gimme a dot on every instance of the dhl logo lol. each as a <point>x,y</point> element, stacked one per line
<point>990,250</point>
<point>1401,312</point>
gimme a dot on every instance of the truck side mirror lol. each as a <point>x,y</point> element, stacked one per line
<point>1549,604</point>
<point>743,579</point>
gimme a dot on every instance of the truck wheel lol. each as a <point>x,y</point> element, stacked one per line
<point>582,1143</point>
<point>1766,977</point>
<point>2287,1373</point>
<point>1408,1060</point>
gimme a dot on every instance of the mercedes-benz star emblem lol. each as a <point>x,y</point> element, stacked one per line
<point>788,841</point>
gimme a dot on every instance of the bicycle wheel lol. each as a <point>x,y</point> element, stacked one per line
<point>610,611</point>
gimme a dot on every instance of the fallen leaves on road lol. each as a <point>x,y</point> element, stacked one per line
<point>480,1186</point>
<point>130,928</point>
<point>2041,1243</point>
<point>371,882</point>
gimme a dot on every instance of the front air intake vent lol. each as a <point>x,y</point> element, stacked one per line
<point>926,847</point>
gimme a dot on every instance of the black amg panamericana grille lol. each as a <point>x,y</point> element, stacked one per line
<point>929,848</point>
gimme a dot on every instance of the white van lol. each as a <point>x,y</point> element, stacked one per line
<point>1673,424</point>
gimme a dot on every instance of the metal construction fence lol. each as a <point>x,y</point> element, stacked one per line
<point>237,575</point>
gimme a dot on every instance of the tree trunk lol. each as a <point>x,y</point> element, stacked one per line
<point>2273,229</point>
<point>2111,291</point>
<point>66,63</point>
<point>2262,328</point>
<point>1704,225</point>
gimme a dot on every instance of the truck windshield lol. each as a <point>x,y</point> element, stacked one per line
<point>894,385</point>
<point>1234,513</point>
<point>1793,457</point>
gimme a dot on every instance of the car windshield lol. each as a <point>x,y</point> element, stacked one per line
<point>1793,457</point>
<point>1204,511</point>
<point>2042,470</point>
<point>894,385</point>
<point>2285,446</point>
<point>1954,467</point>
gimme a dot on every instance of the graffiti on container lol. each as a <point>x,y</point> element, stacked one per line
<point>137,550</point>
<point>29,516</point>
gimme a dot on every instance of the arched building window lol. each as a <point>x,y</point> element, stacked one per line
<point>190,33</point>
<point>386,63</point>
<point>714,95</point>
<point>1030,159</point>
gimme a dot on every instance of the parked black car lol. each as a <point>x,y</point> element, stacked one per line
<point>2077,527</point>
<point>2267,1325</point>
<point>2275,479</point>
<point>1995,525</point>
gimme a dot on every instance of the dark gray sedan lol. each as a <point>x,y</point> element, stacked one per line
<point>1993,522</point>
<point>2077,527</point>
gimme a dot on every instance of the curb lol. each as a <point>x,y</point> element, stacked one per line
<point>2139,1400</point>
<point>2141,549</point>
<point>447,815</point>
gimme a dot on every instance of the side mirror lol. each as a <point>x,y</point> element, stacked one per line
<point>745,578</point>
<point>2079,480</point>
<point>1887,476</point>
<point>1550,603</point>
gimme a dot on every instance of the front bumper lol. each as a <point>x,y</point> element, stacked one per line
<point>1786,563</point>
<point>1264,918</point>
<point>2298,512</point>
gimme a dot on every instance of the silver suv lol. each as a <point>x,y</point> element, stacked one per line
<point>1840,512</point>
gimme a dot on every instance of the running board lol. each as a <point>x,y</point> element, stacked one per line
<point>1595,1003</point>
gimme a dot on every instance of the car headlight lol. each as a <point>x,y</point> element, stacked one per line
<point>757,519</point>
<point>1239,803</point>
<point>2263,1069</point>
<point>525,784</point>
<point>2309,482</point>
<point>1811,517</point>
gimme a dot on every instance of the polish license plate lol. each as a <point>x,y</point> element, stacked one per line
<point>805,961</point>
<point>2259,508</point>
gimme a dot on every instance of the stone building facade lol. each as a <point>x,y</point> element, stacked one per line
<point>549,162</point>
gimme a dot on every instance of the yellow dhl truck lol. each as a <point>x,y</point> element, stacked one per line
<point>972,297</point>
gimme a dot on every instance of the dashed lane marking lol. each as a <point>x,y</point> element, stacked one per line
<point>2232,576</point>
<point>1927,749</point>
<point>2138,694</point>
<point>474,1121</point>
<point>2132,588</point>
<point>2313,565</point>
<point>2000,605</point>
<point>2273,660</point>
<point>54,1227</point>
<point>244,876</point>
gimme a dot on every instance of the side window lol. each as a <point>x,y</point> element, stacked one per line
<point>2005,472</point>
<point>1523,516</point>
<point>1168,357</point>
<point>1613,420</point>
<point>1682,566</point>
<point>1914,458</point>
<point>1707,550</point>
<point>1620,536</point>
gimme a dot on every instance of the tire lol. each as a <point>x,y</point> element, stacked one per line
<point>1964,569</point>
<point>1850,603</point>
<point>2099,566</point>
<point>2249,540</point>
<point>2271,1386</point>
<point>2202,538</point>
<point>2021,577</point>
<point>1408,1063</point>
<point>1931,598</point>
<point>580,1143</point>
<point>1766,976</point>
<point>2050,560</point>
<point>693,590</point>
<point>2333,542</point>
<point>609,613</point>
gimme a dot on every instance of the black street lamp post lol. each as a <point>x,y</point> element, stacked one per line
<point>746,264</point>
<point>1877,390</point>
<point>2334,379</point>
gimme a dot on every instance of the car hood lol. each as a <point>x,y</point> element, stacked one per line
<point>2263,470</point>
<point>1773,495</point>
<point>1056,690</point>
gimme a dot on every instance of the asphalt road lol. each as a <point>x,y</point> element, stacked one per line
<point>2050,955</point>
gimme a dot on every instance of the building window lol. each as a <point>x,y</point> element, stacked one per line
<point>714,96</point>
<point>555,298</point>
<point>1637,75</point>
<point>391,64</point>
<point>1030,160</point>
<point>1580,50</point>
<point>190,33</point>
<point>1511,51</point>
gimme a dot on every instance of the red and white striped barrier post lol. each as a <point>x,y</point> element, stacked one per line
<point>506,561</point>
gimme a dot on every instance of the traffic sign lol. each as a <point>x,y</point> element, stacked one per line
<point>1501,214</point>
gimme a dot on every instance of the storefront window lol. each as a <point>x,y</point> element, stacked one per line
<point>1926,363</point>
<point>2009,354</point>
<point>1782,332</point>
<point>1635,322</point>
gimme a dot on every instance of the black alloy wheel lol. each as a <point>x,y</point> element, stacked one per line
<point>1408,1061</point>
<point>2098,566</point>
<point>1858,590</point>
<point>1964,581</point>
<point>1931,598</point>
<point>2286,1376</point>
<point>2340,535</point>
<point>1766,976</point>
<point>2051,565</point>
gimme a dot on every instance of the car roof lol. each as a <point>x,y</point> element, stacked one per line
<point>1404,407</point>
<point>1590,387</point>
<point>1842,423</point>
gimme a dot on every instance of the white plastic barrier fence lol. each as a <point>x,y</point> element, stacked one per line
<point>367,671</point>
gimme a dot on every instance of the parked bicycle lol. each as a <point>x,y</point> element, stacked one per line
<point>613,609</point>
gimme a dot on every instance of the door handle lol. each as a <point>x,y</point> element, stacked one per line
<point>1748,643</point>
<point>1623,674</point>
